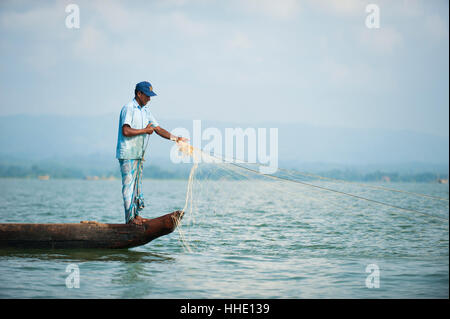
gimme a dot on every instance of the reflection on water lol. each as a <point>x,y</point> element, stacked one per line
<point>86,255</point>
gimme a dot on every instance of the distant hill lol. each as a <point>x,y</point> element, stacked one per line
<point>88,143</point>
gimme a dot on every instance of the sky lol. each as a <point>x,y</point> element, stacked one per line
<point>241,61</point>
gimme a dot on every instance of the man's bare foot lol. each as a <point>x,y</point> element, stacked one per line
<point>138,220</point>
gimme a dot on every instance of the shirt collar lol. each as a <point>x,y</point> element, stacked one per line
<point>136,104</point>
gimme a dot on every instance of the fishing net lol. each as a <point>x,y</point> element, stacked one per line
<point>218,185</point>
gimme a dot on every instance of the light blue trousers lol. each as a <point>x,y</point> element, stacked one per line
<point>133,199</point>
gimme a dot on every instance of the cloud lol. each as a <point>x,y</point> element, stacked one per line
<point>35,34</point>
<point>91,42</point>
<point>280,9</point>
<point>409,8</point>
<point>340,7</point>
<point>338,73</point>
<point>345,75</point>
<point>240,41</point>
<point>384,40</point>
<point>184,25</point>
<point>35,18</point>
<point>115,16</point>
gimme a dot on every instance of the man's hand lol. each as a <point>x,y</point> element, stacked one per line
<point>129,132</point>
<point>182,139</point>
<point>149,129</point>
<point>177,139</point>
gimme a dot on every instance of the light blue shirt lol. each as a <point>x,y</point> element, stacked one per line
<point>138,118</point>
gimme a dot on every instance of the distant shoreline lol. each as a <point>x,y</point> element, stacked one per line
<point>444,181</point>
<point>44,170</point>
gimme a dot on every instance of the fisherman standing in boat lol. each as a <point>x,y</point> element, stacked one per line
<point>136,124</point>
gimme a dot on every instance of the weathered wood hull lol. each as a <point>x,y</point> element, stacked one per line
<point>87,234</point>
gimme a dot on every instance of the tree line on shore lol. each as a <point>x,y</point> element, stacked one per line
<point>156,172</point>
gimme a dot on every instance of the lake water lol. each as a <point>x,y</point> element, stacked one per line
<point>244,239</point>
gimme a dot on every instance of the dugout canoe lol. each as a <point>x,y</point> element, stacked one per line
<point>87,234</point>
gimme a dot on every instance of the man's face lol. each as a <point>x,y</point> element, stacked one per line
<point>142,99</point>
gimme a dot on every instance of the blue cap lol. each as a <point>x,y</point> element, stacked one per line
<point>146,88</point>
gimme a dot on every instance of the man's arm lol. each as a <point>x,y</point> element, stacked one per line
<point>163,133</point>
<point>129,132</point>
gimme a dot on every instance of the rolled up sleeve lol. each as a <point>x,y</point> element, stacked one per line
<point>126,116</point>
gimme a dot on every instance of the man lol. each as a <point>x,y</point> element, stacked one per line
<point>135,124</point>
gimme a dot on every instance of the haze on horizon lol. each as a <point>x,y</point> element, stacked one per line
<point>311,62</point>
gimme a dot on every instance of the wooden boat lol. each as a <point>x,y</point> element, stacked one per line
<point>87,234</point>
